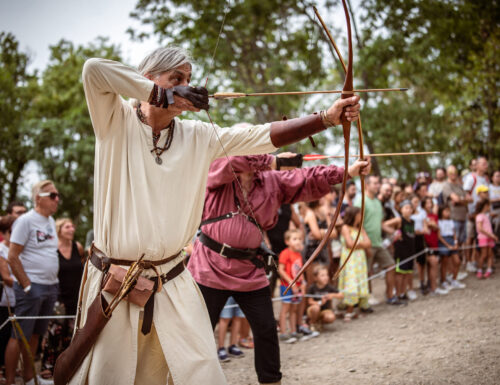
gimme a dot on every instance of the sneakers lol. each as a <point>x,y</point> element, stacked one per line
<point>446,286</point>
<point>223,356</point>
<point>440,291</point>
<point>457,285</point>
<point>307,333</point>
<point>287,338</point>
<point>470,267</point>
<point>395,301</point>
<point>487,274</point>
<point>235,351</point>
<point>462,275</point>
<point>412,296</point>
<point>372,301</point>
<point>479,274</point>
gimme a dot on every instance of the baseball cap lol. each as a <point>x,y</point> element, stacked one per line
<point>482,189</point>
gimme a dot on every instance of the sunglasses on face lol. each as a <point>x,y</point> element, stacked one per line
<point>51,195</point>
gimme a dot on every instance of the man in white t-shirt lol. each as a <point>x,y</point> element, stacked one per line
<point>34,263</point>
<point>470,183</point>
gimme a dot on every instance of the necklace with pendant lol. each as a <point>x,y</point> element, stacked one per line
<point>156,137</point>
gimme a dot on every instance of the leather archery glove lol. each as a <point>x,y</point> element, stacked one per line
<point>196,95</point>
<point>293,162</point>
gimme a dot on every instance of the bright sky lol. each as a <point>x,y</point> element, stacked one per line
<point>40,23</point>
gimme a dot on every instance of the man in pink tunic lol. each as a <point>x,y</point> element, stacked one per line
<point>226,260</point>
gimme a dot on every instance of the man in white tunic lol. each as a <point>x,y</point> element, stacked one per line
<point>149,186</point>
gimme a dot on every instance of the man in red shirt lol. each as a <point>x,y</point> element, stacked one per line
<point>226,259</point>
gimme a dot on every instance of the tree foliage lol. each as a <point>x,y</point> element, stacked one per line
<point>18,90</point>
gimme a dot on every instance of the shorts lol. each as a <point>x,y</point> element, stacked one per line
<point>405,267</point>
<point>294,299</point>
<point>485,242</point>
<point>39,301</point>
<point>443,250</point>
<point>322,312</point>
<point>381,256</point>
<point>231,309</point>
<point>471,230</point>
<point>419,247</point>
<point>460,230</point>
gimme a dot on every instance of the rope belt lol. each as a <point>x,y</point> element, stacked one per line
<point>102,263</point>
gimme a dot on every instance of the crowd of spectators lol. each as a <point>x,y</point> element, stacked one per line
<point>445,227</point>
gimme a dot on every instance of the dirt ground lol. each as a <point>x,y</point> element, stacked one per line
<point>453,339</point>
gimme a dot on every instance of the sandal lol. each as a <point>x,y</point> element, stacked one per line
<point>246,343</point>
<point>350,316</point>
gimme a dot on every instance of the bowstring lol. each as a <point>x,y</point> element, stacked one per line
<point>233,171</point>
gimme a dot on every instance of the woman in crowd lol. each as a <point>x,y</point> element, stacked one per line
<point>316,222</point>
<point>70,253</point>
<point>7,297</point>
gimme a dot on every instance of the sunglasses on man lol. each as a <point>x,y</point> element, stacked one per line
<point>51,195</point>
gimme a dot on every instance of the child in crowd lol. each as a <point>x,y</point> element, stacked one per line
<point>431,238</point>
<point>320,310</point>
<point>353,280</point>
<point>290,262</point>
<point>404,248</point>
<point>230,313</point>
<point>485,238</point>
<point>419,217</point>
<point>448,245</point>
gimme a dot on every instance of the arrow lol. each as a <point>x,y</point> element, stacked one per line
<point>319,157</point>
<point>235,95</point>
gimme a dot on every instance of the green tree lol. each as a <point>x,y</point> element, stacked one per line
<point>64,134</point>
<point>447,53</point>
<point>18,90</point>
<point>264,46</point>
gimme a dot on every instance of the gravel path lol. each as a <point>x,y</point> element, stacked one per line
<point>454,339</point>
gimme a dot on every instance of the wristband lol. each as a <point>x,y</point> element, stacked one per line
<point>27,289</point>
<point>295,161</point>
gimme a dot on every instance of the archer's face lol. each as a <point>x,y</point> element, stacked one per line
<point>180,76</point>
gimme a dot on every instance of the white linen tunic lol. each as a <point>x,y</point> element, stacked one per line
<point>142,207</point>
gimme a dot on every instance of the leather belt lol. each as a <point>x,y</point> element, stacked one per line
<point>100,260</point>
<point>227,251</point>
<point>103,264</point>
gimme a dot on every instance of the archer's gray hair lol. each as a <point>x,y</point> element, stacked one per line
<point>164,59</point>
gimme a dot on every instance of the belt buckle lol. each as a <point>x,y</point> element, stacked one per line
<point>224,246</point>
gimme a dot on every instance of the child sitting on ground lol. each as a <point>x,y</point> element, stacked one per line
<point>353,279</point>
<point>290,262</point>
<point>320,310</point>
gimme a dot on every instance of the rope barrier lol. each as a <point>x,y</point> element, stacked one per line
<point>379,274</point>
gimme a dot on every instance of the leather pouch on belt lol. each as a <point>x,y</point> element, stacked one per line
<point>139,295</point>
<point>70,360</point>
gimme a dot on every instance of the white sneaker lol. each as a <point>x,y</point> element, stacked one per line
<point>446,286</point>
<point>441,291</point>
<point>372,301</point>
<point>462,275</point>
<point>412,296</point>
<point>457,285</point>
<point>470,267</point>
